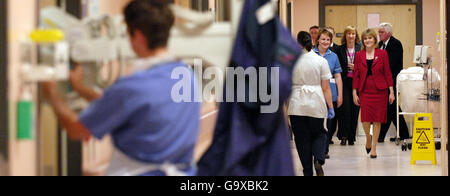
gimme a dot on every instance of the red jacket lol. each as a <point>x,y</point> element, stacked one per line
<point>381,70</point>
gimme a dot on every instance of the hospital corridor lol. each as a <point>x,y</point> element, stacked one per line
<point>217,88</point>
<point>353,161</point>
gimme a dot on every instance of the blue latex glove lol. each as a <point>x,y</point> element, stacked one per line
<point>331,113</point>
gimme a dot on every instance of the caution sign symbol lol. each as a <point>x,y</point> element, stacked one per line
<point>423,148</point>
<point>423,139</point>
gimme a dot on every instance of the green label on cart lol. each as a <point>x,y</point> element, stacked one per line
<point>25,120</point>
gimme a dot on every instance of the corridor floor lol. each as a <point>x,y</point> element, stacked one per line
<point>354,161</point>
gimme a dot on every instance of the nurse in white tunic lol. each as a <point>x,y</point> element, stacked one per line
<point>308,107</point>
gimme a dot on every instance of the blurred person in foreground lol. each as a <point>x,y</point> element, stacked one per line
<point>153,135</point>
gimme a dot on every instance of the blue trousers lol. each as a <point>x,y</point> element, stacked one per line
<point>311,140</point>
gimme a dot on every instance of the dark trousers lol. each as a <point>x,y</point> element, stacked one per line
<point>392,118</point>
<point>332,124</point>
<point>349,116</point>
<point>311,140</point>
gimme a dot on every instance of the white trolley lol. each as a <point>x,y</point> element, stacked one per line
<point>413,88</point>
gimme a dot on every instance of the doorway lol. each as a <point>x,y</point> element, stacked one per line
<point>402,17</point>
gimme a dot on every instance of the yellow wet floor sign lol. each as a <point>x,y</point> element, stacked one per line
<point>423,148</point>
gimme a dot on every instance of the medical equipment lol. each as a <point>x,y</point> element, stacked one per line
<point>416,89</point>
<point>97,43</point>
<point>203,38</point>
<point>92,39</point>
<point>421,54</point>
<point>53,66</point>
<point>198,37</point>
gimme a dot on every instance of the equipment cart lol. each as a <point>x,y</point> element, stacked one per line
<point>413,89</point>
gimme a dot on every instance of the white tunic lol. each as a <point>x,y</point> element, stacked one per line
<point>307,97</point>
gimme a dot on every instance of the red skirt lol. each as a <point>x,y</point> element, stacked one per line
<point>374,103</point>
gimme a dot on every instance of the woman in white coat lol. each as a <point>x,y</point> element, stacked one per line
<point>308,109</point>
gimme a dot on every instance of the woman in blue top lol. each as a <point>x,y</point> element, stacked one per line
<point>152,133</point>
<point>323,50</point>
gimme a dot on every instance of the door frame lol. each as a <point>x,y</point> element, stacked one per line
<point>418,3</point>
<point>4,136</point>
<point>447,23</point>
<point>289,15</point>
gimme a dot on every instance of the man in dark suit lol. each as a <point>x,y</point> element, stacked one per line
<point>394,49</point>
<point>334,47</point>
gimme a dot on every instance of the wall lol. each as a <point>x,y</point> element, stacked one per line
<point>21,20</point>
<point>305,14</point>
<point>431,27</point>
<point>444,86</point>
<point>112,6</point>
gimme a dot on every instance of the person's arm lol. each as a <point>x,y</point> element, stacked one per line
<point>388,77</point>
<point>338,78</point>
<point>66,116</point>
<point>356,100</point>
<point>340,86</point>
<point>327,93</point>
<point>356,79</point>
<point>398,56</point>
<point>325,76</point>
<point>391,95</point>
<point>87,93</point>
<point>387,70</point>
<point>76,80</point>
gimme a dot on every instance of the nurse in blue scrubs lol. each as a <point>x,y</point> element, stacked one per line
<point>152,134</point>
<point>323,49</point>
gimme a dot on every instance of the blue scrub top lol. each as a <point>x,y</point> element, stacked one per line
<point>335,68</point>
<point>144,121</point>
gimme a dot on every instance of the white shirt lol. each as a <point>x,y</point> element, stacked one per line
<point>307,97</point>
<point>385,44</point>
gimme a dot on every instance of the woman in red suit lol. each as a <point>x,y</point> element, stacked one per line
<point>371,83</point>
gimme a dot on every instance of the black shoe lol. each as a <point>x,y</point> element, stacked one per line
<point>319,169</point>
<point>351,143</point>
<point>343,142</point>
<point>331,142</point>
<point>373,156</point>
<point>327,156</point>
<point>369,149</point>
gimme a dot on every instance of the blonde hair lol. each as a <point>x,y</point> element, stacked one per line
<point>350,29</point>
<point>370,33</point>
